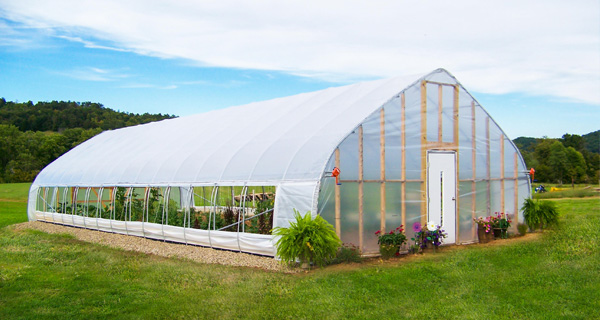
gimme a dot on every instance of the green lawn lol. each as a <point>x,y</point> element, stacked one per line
<point>551,277</point>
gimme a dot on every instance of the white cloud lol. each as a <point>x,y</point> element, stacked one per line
<point>536,47</point>
<point>93,74</point>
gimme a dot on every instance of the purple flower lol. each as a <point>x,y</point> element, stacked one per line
<point>416,227</point>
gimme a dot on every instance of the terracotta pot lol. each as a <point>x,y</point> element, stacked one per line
<point>484,237</point>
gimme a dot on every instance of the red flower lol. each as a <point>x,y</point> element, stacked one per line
<point>392,232</point>
<point>397,254</point>
<point>378,232</point>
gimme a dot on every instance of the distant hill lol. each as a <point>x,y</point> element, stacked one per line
<point>60,115</point>
<point>571,158</point>
<point>33,135</point>
<point>592,141</point>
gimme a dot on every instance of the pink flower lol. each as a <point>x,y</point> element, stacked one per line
<point>378,232</point>
<point>416,227</point>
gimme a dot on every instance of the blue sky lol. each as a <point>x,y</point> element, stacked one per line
<point>534,75</point>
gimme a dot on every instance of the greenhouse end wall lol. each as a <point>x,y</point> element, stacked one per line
<point>384,166</point>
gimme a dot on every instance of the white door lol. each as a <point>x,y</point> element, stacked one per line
<point>441,192</point>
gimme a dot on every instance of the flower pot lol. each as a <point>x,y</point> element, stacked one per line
<point>388,250</point>
<point>484,237</point>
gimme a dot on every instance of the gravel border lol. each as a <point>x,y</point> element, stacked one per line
<point>160,248</point>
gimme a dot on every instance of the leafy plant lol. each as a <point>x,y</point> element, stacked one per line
<point>430,233</point>
<point>265,221</point>
<point>348,253</point>
<point>522,228</point>
<point>539,214</point>
<point>307,239</point>
<point>395,237</point>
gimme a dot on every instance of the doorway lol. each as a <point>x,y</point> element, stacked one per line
<point>441,191</point>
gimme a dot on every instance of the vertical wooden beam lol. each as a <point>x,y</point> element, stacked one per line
<point>487,163</point>
<point>382,165</point>
<point>360,189</point>
<point>474,165</point>
<point>423,152</point>
<point>516,177</point>
<point>338,202</point>
<point>403,157</point>
<point>502,173</point>
<point>455,140</point>
<point>440,111</point>
<point>455,115</point>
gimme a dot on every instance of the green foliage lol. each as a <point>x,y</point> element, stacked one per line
<point>539,214</point>
<point>265,221</point>
<point>572,157</point>
<point>32,136</point>
<point>395,237</point>
<point>522,228</point>
<point>348,253</point>
<point>307,239</point>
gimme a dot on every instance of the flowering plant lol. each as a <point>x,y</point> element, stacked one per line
<point>431,233</point>
<point>484,223</point>
<point>395,237</point>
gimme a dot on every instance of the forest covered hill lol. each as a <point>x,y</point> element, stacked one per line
<point>33,135</point>
<point>569,159</point>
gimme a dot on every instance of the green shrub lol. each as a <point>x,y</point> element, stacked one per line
<point>522,228</point>
<point>539,214</point>
<point>348,253</point>
<point>307,239</point>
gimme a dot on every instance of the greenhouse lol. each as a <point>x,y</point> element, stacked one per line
<point>409,149</point>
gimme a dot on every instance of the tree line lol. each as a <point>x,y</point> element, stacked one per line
<point>33,135</point>
<point>570,159</point>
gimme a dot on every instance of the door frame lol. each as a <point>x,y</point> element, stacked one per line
<point>454,198</point>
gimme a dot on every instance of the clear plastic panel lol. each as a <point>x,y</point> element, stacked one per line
<point>349,213</point>
<point>413,133</point>
<point>432,112</point>
<point>121,208</point>
<point>349,157</point>
<point>371,216</point>
<point>481,143</point>
<point>509,159</point>
<point>41,199</point>
<point>465,212</point>
<point>155,205</point>
<point>393,142</point>
<point>495,155</point>
<point>509,197</point>
<point>393,204</point>
<point>413,204</point>
<point>495,199</point>
<point>106,203</point>
<point>481,200</point>
<point>448,114</point>
<point>372,147</point>
<point>327,200</point>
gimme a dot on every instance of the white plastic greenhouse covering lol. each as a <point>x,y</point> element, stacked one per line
<point>290,145</point>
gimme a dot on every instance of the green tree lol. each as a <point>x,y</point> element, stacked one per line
<point>558,161</point>
<point>576,167</point>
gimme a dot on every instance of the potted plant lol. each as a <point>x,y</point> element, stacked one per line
<point>500,224</point>
<point>429,236</point>
<point>311,241</point>
<point>389,243</point>
<point>484,229</point>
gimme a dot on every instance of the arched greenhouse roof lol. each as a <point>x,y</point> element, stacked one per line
<point>285,139</point>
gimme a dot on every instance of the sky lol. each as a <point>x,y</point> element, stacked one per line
<point>533,65</point>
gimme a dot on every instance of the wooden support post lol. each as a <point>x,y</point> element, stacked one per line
<point>440,112</point>
<point>516,177</point>
<point>382,165</point>
<point>403,169</point>
<point>360,189</point>
<point>423,152</point>
<point>487,163</point>
<point>502,203</point>
<point>455,140</point>
<point>338,202</point>
<point>474,165</point>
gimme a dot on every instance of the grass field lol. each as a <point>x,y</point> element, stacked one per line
<point>553,275</point>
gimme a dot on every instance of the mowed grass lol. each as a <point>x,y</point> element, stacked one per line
<point>551,276</point>
<point>13,203</point>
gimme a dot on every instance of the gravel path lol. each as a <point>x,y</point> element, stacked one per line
<point>160,248</point>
